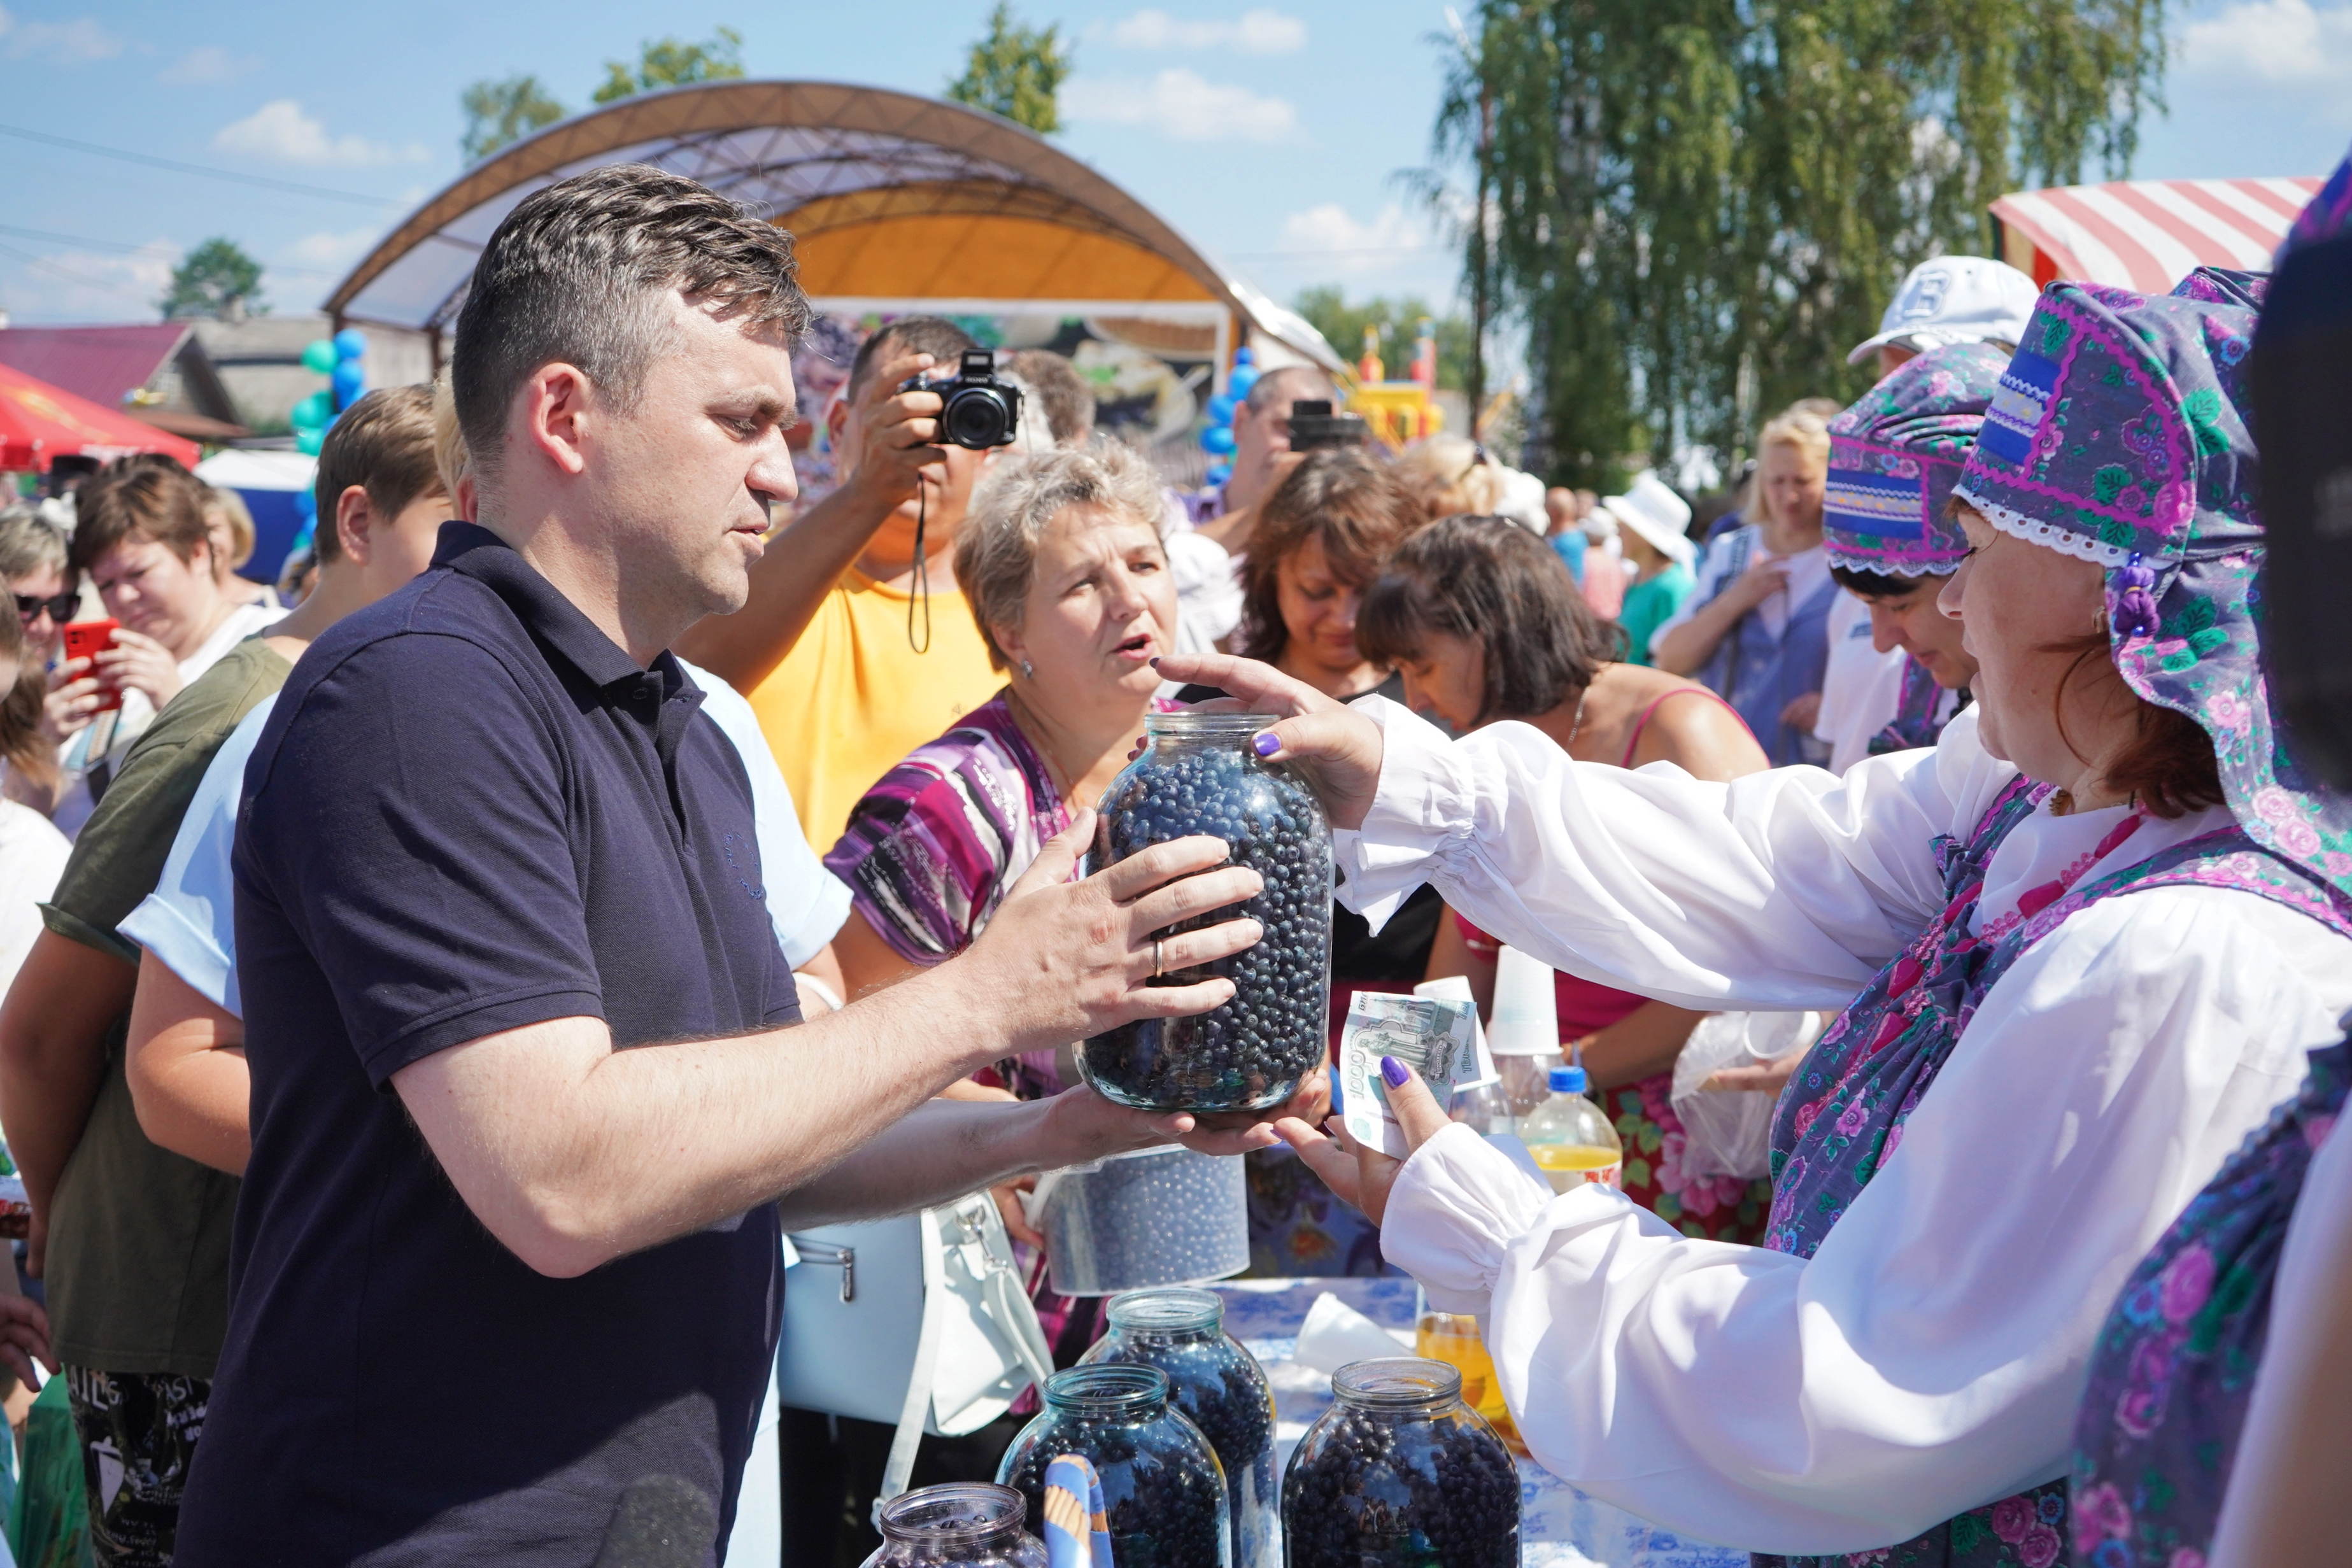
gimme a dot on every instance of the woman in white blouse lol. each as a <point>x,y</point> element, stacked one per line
<point>2097,930</point>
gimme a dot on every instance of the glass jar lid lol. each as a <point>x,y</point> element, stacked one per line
<point>1398,1383</point>
<point>1124,1391</point>
<point>1192,724</point>
<point>964,1514</point>
<point>1172,1310</point>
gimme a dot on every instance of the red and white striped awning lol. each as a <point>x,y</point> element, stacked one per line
<point>2146,235</point>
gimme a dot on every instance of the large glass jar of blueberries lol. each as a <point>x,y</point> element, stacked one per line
<point>1162,1489</point>
<point>1399,1473</point>
<point>1198,775</point>
<point>966,1525</point>
<point>1219,1385</point>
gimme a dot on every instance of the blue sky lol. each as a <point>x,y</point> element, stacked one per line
<point>1268,133</point>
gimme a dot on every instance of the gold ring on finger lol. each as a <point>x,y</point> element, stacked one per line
<point>1158,965</point>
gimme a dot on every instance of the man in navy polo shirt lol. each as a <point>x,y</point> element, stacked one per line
<point>506,1274</point>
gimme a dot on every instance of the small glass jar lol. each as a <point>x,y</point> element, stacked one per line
<point>971,1524</point>
<point>1162,1490</point>
<point>1198,775</point>
<point>1219,1387</point>
<point>1400,1474</point>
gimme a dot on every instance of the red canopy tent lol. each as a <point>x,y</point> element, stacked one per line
<point>2146,235</point>
<point>39,424</point>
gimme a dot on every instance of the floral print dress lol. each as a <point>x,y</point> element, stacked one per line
<point>1842,1117</point>
<point>2175,1366</point>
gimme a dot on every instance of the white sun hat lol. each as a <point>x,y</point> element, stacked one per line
<point>1954,299</point>
<point>1651,509</point>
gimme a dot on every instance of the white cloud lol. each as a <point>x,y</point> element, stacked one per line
<point>1180,104</point>
<point>206,63</point>
<point>75,43</point>
<point>280,132</point>
<point>1343,243</point>
<point>331,250</point>
<point>1257,32</point>
<point>2289,42</point>
<point>92,286</point>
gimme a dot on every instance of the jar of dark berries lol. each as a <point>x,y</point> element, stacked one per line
<point>1162,1489</point>
<point>1219,1385</point>
<point>1198,775</point>
<point>1399,1473</point>
<point>971,1524</point>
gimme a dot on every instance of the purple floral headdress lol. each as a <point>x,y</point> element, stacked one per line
<point>2120,435</point>
<point>1894,456</point>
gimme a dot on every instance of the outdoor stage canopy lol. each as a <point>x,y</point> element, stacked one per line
<point>2146,235</point>
<point>895,203</point>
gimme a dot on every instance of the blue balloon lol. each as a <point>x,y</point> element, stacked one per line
<point>1221,408</point>
<point>1218,473</point>
<point>350,382</point>
<point>1245,357</point>
<point>1218,441</point>
<point>350,343</point>
<point>1238,384</point>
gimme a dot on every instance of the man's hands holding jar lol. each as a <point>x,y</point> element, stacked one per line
<point>1339,751</point>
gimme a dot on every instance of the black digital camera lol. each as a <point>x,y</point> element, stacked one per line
<point>982,411</point>
<point>1314,426</point>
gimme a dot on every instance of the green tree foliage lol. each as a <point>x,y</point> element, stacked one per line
<point>216,278</point>
<point>1342,325</point>
<point>1698,207</point>
<point>1015,71</point>
<point>668,62</point>
<point>499,112</point>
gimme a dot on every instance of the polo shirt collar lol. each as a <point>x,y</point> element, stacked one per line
<point>545,613</point>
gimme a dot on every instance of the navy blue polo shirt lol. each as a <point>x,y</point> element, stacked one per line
<point>472,812</point>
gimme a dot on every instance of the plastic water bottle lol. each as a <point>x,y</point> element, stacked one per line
<point>1571,1139</point>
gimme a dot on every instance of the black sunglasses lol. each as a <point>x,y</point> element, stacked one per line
<point>61,606</point>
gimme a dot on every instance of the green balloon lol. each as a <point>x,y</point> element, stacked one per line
<point>308,441</point>
<point>313,412</point>
<point>319,355</point>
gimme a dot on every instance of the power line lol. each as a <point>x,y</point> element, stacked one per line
<point>263,182</point>
<point>83,278</point>
<point>147,249</point>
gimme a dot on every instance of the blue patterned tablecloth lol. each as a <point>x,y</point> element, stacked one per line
<point>1559,1527</point>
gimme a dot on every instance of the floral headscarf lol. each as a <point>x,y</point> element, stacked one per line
<point>2330,212</point>
<point>2120,437</point>
<point>1895,455</point>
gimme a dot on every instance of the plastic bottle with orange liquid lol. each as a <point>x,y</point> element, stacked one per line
<point>1570,1137</point>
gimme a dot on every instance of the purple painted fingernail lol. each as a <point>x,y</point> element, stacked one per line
<point>1154,662</point>
<point>1266,744</point>
<point>1393,1071</point>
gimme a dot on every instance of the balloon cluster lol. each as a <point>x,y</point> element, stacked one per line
<point>1217,440</point>
<point>338,359</point>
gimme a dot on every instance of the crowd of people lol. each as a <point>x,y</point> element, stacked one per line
<point>415,1007</point>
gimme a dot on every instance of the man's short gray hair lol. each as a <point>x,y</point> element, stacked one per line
<point>577,272</point>
<point>996,549</point>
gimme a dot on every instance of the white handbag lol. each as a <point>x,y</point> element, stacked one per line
<point>926,1323</point>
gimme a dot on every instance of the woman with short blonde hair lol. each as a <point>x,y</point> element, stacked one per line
<point>1756,629</point>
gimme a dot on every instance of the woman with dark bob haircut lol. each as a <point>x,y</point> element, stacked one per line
<point>1484,623</point>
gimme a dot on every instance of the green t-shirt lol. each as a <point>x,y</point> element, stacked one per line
<point>138,1258</point>
<point>1649,604</point>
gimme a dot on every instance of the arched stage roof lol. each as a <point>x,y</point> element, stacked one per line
<point>889,196</point>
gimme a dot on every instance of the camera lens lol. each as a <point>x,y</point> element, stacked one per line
<point>977,417</point>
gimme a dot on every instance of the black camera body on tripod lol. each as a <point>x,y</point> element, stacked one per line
<point>981,408</point>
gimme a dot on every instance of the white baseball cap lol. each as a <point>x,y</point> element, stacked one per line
<point>1651,509</point>
<point>1954,299</point>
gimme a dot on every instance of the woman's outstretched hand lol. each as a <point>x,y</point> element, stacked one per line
<point>1339,751</point>
<point>1360,1174</point>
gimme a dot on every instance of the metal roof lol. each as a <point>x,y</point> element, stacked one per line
<point>819,159</point>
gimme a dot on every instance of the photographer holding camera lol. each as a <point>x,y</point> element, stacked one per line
<point>856,646</point>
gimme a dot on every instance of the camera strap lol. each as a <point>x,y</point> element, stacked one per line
<point>923,592</point>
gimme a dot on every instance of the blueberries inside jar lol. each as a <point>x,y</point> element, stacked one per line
<point>1400,1474</point>
<point>1198,775</point>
